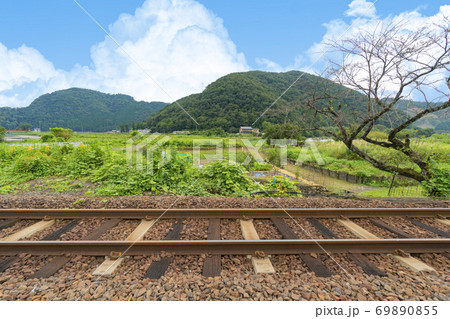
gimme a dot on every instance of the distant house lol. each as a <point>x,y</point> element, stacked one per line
<point>181,132</point>
<point>248,130</point>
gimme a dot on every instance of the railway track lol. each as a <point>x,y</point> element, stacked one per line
<point>354,232</point>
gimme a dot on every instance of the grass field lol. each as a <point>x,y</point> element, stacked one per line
<point>337,157</point>
<point>97,164</point>
<point>400,191</point>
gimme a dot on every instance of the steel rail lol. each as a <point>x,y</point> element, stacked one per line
<point>221,213</point>
<point>224,247</point>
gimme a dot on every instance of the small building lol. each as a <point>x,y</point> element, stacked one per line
<point>181,132</point>
<point>248,130</point>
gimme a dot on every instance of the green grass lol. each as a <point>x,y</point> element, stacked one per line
<point>337,157</point>
<point>401,191</point>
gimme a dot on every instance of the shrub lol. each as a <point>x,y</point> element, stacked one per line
<point>7,154</point>
<point>218,131</point>
<point>274,156</point>
<point>282,131</point>
<point>171,168</point>
<point>253,164</point>
<point>46,138</point>
<point>439,184</point>
<point>83,160</point>
<point>227,179</point>
<point>2,134</point>
<point>281,183</point>
<point>259,167</point>
<point>65,133</point>
<point>117,179</point>
<point>35,164</point>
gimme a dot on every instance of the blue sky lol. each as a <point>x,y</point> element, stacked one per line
<point>62,47</point>
<point>276,29</point>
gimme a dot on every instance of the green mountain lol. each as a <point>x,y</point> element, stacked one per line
<point>239,99</point>
<point>80,110</point>
<point>438,120</point>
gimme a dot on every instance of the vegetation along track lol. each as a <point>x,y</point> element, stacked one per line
<point>312,234</point>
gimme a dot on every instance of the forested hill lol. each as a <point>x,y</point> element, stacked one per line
<point>438,120</point>
<point>80,110</point>
<point>238,99</point>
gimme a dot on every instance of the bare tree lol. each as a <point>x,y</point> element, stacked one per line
<point>387,64</point>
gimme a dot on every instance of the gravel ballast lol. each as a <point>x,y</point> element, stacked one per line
<point>164,202</point>
<point>183,281</point>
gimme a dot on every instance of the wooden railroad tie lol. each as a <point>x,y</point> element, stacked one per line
<point>429,228</point>
<point>58,262</point>
<point>443,220</point>
<point>51,268</point>
<point>8,223</point>
<point>53,236</point>
<point>408,261</point>
<point>111,263</point>
<point>5,264</point>
<point>261,264</point>
<point>59,232</point>
<point>389,228</point>
<point>30,230</point>
<point>102,229</point>
<point>314,264</point>
<point>357,230</point>
<point>158,268</point>
<point>400,233</point>
<point>359,259</point>
<point>26,232</point>
<point>212,266</point>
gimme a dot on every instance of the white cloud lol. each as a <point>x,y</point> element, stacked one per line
<point>315,59</point>
<point>361,8</point>
<point>18,69</point>
<point>409,21</point>
<point>184,48</point>
<point>269,65</point>
<point>179,43</point>
<point>299,65</point>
